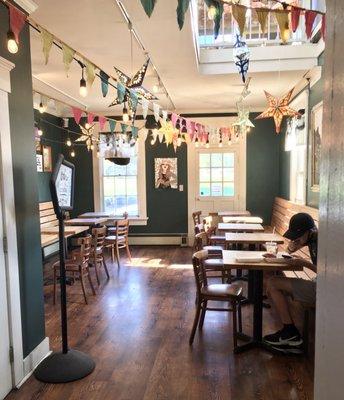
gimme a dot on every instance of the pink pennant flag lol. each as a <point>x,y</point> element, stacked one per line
<point>77,113</point>
<point>102,121</point>
<point>295,17</point>
<point>90,118</point>
<point>174,119</point>
<point>310,16</point>
<point>323,26</point>
<point>17,21</point>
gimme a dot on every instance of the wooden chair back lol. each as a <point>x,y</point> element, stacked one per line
<point>122,228</point>
<point>98,235</point>
<point>199,270</point>
<point>47,216</point>
<point>85,249</point>
<point>196,216</point>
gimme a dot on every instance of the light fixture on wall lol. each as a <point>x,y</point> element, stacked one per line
<point>12,45</point>
<point>83,86</point>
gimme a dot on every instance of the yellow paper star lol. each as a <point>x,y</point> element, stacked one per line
<point>278,108</point>
<point>168,131</point>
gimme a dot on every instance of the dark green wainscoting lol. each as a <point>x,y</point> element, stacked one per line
<point>25,187</point>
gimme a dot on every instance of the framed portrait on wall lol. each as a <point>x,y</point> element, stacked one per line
<point>47,161</point>
<point>316,136</point>
<point>166,176</point>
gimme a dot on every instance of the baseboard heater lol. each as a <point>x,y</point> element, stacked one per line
<point>180,239</point>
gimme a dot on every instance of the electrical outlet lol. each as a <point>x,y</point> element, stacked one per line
<point>181,188</point>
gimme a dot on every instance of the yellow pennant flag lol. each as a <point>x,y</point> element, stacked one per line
<point>90,72</point>
<point>282,18</point>
<point>47,41</point>
<point>239,14</point>
<point>68,55</point>
<point>262,16</point>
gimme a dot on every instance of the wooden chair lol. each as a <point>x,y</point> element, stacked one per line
<point>112,228</point>
<point>97,256</point>
<point>230,293</point>
<point>77,266</point>
<point>196,217</point>
<point>119,240</point>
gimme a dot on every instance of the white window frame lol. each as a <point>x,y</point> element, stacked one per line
<point>141,184</point>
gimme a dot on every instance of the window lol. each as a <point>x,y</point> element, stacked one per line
<point>120,188</point>
<point>216,174</point>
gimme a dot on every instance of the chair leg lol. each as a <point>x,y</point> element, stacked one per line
<point>54,299</point>
<point>195,323</point>
<point>239,317</point>
<point>90,281</point>
<point>117,256</point>
<point>113,253</point>
<point>128,251</point>
<point>83,286</point>
<point>96,270</point>
<point>105,267</point>
<point>204,309</point>
<point>235,332</point>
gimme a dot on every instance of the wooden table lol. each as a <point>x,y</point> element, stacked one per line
<point>96,214</point>
<point>242,220</point>
<point>50,234</point>
<point>240,227</point>
<point>253,238</point>
<point>256,269</point>
<point>86,221</point>
<point>233,213</point>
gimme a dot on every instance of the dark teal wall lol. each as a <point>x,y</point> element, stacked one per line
<point>51,137</point>
<point>284,168</point>
<point>262,183</point>
<point>167,209</point>
<point>25,187</point>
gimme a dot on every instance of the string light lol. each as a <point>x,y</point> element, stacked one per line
<point>68,142</point>
<point>125,116</point>
<point>12,45</point>
<point>207,144</point>
<point>179,140</point>
<point>41,107</point>
<point>83,86</point>
<point>39,131</point>
<point>87,125</point>
<point>196,142</point>
<point>72,153</point>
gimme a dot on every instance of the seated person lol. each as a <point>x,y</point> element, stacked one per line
<point>302,232</point>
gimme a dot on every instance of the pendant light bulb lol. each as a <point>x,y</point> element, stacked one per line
<point>68,142</point>
<point>207,144</point>
<point>39,131</point>
<point>212,11</point>
<point>12,45</point>
<point>196,142</point>
<point>41,107</point>
<point>83,86</point>
<point>72,153</point>
<point>125,116</point>
<point>220,143</point>
<point>87,125</point>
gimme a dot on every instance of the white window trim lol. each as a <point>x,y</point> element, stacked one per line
<point>141,184</point>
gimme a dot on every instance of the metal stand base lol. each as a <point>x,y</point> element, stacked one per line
<point>64,367</point>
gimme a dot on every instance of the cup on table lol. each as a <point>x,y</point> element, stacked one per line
<point>271,248</point>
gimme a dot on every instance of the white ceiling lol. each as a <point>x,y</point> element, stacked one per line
<point>97,30</point>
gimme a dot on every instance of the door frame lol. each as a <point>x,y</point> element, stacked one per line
<point>9,226</point>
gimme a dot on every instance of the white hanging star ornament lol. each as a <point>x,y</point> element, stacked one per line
<point>243,122</point>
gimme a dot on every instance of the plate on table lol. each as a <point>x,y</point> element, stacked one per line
<point>279,258</point>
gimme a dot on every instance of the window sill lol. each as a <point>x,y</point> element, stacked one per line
<point>137,221</point>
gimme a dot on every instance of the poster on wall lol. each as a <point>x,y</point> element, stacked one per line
<point>47,161</point>
<point>39,156</point>
<point>166,174</point>
<point>316,135</point>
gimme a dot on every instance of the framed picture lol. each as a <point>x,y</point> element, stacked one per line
<point>39,156</point>
<point>47,162</point>
<point>316,135</point>
<point>166,176</point>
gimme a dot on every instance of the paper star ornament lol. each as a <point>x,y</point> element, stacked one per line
<point>278,108</point>
<point>243,120</point>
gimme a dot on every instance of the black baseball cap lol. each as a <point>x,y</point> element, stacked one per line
<point>299,224</point>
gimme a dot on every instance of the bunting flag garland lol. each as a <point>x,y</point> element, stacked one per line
<point>156,110</point>
<point>120,92</point>
<point>68,56</point>
<point>112,125</point>
<point>134,132</point>
<point>90,73</point>
<point>262,16</point>
<point>218,6</point>
<point>47,41</point>
<point>148,6</point>
<point>309,18</point>
<point>164,115</point>
<point>282,18</point>
<point>241,54</point>
<point>102,121</point>
<point>145,104</point>
<point>104,78</point>
<point>239,14</point>
<point>295,18</point>
<point>174,119</point>
<point>90,118</point>
<point>124,128</point>
<point>77,113</point>
<point>278,108</point>
<point>133,101</point>
<point>182,8</point>
<point>17,21</point>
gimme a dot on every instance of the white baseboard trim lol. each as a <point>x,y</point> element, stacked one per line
<point>154,240</point>
<point>33,359</point>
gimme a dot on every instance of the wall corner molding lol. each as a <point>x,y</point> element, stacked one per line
<point>5,69</point>
<point>27,5</point>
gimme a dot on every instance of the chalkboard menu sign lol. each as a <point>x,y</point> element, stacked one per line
<point>62,186</point>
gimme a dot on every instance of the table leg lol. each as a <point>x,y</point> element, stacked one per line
<point>258,305</point>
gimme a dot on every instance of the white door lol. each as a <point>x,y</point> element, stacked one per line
<point>5,363</point>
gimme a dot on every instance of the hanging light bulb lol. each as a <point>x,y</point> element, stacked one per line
<point>179,140</point>
<point>125,115</point>
<point>229,142</point>
<point>87,125</point>
<point>92,147</point>
<point>212,11</point>
<point>41,107</point>
<point>83,86</point>
<point>207,144</point>
<point>72,153</point>
<point>12,45</point>
<point>196,142</point>
<point>39,131</point>
<point>68,142</point>
<point>220,143</point>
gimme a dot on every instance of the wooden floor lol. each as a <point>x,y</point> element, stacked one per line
<point>137,330</point>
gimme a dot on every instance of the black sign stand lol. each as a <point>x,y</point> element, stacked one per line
<point>68,365</point>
